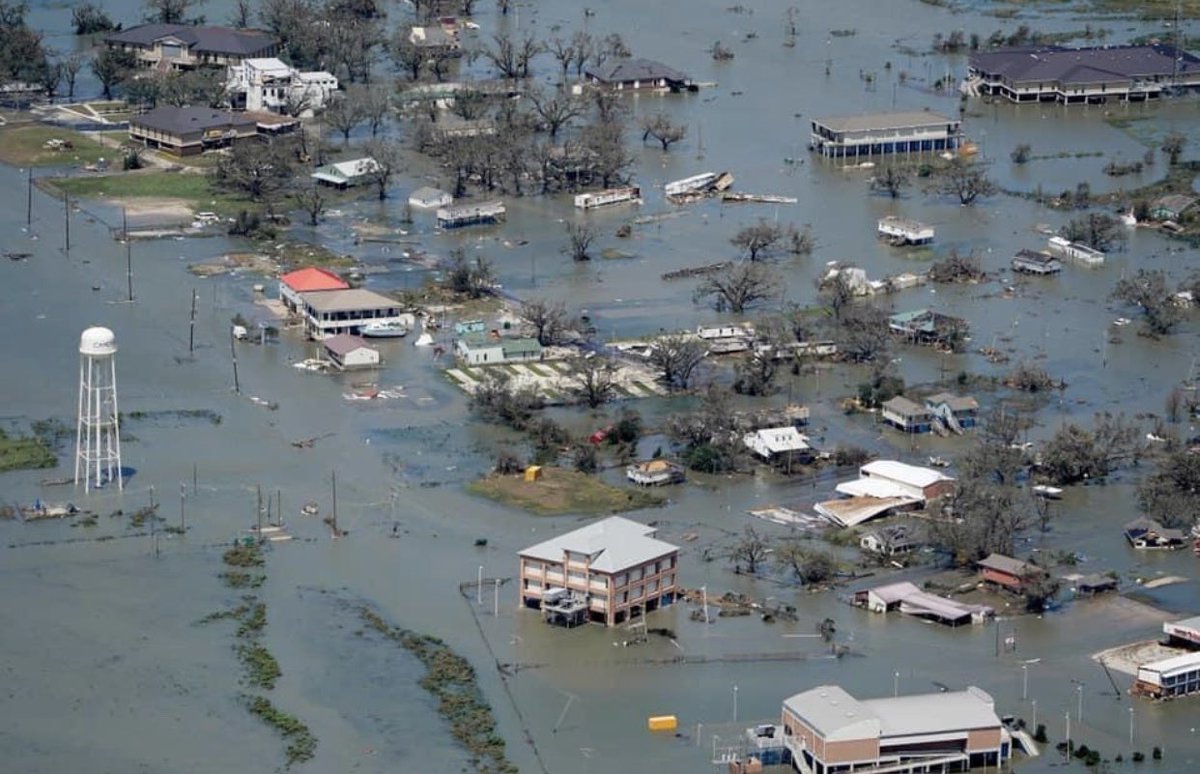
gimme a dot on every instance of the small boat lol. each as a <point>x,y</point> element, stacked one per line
<point>939,462</point>
<point>310,509</point>
<point>385,329</point>
<point>1048,492</point>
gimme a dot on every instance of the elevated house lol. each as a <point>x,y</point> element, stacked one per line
<point>491,348</point>
<point>880,134</point>
<point>1184,633</point>
<point>910,600</point>
<point>347,174</point>
<point>903,231</point>
<point>271,85</point>
<point>311,279</point>
<point>330,312</point>
<point>956,412</point>
<point>779,445</point>
<point>925,326</point>
<point>637,74</point>
<point>1091,584</point>
<point>655,473</point>
<point>436,41</point>
<point>1082,75</point>
<point>1144,533</point>
<point>609,571</point>
<point>189,131</point>
<point>1009,573</point>
<point>1035,262</point>
<point>464,215</point>
<point>167,47</point>
<point>828,731</point>
<point>906,415</point>
<point>346,351</point>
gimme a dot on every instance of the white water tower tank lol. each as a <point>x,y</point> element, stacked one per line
<point>98,434</point>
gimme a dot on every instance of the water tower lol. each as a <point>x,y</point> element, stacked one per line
<point>98,436</point>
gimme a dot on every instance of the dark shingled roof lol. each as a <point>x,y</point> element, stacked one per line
<point>1083,65</point>
<point>212,40</point>
<point>636,69</point>
<point>182,120</point>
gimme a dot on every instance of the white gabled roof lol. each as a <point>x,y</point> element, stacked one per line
<point>838,716</point>
<point>271,65</point>
<point>777,439</point>
<point>834,714</point>
<point>614,544</point>
<point>913,475</point>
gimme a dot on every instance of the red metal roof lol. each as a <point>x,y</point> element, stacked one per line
<point>313,278</point>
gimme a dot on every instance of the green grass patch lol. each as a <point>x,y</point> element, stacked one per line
<point>24,452</point>
<point>538,369</point>
<point>262,669</point>
<point>26,146</point>
<point>196,189</point>
<point>244,555</point>
<point>302,745</point>
<point>560,491</point>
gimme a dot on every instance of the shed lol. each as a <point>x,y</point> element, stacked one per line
<point>347,351</point>
<point>533,473</point>
<point>1035,262</point>
<point>428,198</point>
<point>1008,572</point>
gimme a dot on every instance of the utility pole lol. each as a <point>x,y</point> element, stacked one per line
<point>124,225</point>
<point>182,495</point>
<point>258,511</point>
<point>496,600</point>
<point>333,485</point>
<point>29,200</point>
<point>193,478</point>
<point>129,267</point>
<point>237,388</point>
<point>67,220</point>
<point>192,325</point>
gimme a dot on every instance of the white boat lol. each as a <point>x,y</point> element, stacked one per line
<point>384,329</point>
<point>1049,492</point>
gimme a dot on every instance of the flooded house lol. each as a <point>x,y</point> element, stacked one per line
<point>429,198</point>
<point>903,133</point>
<point>310,279</point>
<point>925,326</point>
<point>1075,251</point>
<point>1144,533</point>
<point>491,348</point>
<point>1081,75</point>
<point>485,214</point>
<point>884,487</point>
<point>610,571</point>
<point>189,131</point>
<point>1007,572</point>
<point>904,231</point>
<point>330,312</point>
<point>1172,207</point>
<point>346,174</point>
<point>167,47</point>
<point>637,74</point>
<point>889,541</point>
<point>906,598</point>
<point>272,85</point>
<point>781,446</point>
<point>346,351</point>
<point>906,415</point>
<point>1169,678</point>
<point>1035,262</point>
<point>828,730</point>
<point>655,473</point>
<point>956,412</point>
<point>631,194</point>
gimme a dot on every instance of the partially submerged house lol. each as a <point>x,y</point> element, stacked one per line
<point>1144,533</point>
<point>1092,584</point>
<point>346,351</point>
<point>310,279</point>
<point>1009,573</point>
<point>779,445</point>
<point>903,231</point>
<point>883,487</point>
<point>925,326</point>
<point>428,198</point>
<point>491,348</point>
<point>269,84</point>
<point>609,571</point>
<point>910,600</point>
<point>189,131</point>
<point>1169,678</point>
<point>827,730</point>
<point>906,415</point>
<point>893,540</point>
<point>166,47</point>
<point>637,74</point>
<point>1172,206</point>
<point>655,473</point>
<point>346,174</point>
<point>486,213</point>
<point>330,312</point>
<point>956,412</point>
<point>1075,251</point>
<point>1035,262</point>
<point>1184,633</point>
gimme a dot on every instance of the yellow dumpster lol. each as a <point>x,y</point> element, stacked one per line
<point>662,723</point>
<point>533,472</point>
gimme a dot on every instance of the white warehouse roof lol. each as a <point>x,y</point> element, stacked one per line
<point>913,475</point>
<point>839,716</point>
<point>614,544</point>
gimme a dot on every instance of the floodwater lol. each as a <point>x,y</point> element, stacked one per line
<point>105,665</point>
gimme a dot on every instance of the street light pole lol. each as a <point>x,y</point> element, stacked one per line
<point>1035,715</point>
<point>1131,726</point>
<point>1079,708</point>
<point>1024,682</point>
<point>896,684</point>
<point>735,689</point>
<point>1068,716</point>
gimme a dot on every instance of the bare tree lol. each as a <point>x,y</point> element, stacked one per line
<point>556,109</point>
<point>343,113</point>
<point>311,199</point>
<point>1096,229</point>
<point>376,105</point>
<point>1076,454</point>
<point>836,292</point>
<point>1021,153</point>
<point>594,380</point>
<point>408,57</point>
<point>387,157</point>
<point>677,356</point>
<point>759,239</point>
<point>168,11</point>
<point>807,564</point>
<point>662,129</point>
<point>1169,493</point>
<point>511,58</point>
<point>891,180</point>
<point>584,45</point>
<point>751,551</point>
<point>965,180</point>
<point>755,371</point>
<point>862,334</point>
<point>739,287</point>
<point>1173,145</point>
<point>259,171</point>
<point>242,15</point>
<point>547,318</point>
<point>580,237</point>
<point>563,52</point>
<point>957,267</point>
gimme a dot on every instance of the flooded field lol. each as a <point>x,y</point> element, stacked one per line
<point>106,667</point>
